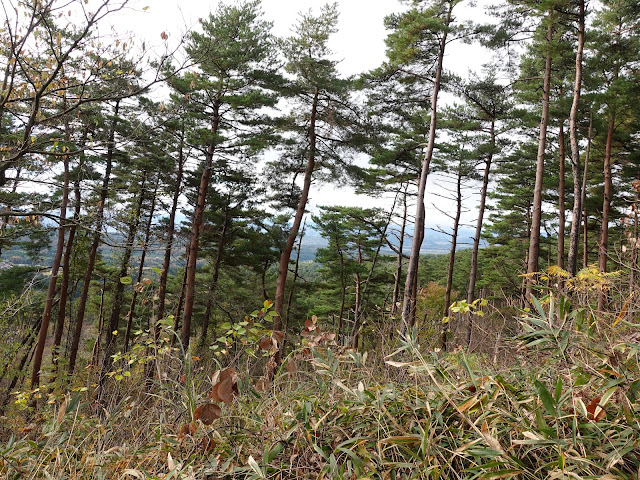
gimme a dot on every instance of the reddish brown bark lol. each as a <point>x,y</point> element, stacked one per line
<point>473,272</point>
<point>603,251</point>
<point>143,256</point>
<point>196,231</point>
<point>411,286</point>
<point>536,215</point>
<point>575,152</point>
<point>285,256</point>
<point>84,296</point>
<point>51,290</point>
<point>561,194</point>
<point>162,289</point>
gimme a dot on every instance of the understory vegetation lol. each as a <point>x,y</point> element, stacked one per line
<point>181,297</point>
<point>560,399</point>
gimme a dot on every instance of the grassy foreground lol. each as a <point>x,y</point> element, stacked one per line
<point>566,406</point>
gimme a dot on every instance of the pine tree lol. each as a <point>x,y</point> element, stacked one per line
<point>235,60</point>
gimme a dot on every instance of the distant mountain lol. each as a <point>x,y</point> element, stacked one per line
<point>434,242</point>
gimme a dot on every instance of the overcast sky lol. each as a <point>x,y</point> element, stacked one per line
<point>359,44</point>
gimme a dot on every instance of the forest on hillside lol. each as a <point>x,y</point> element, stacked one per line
<point>159,317</point>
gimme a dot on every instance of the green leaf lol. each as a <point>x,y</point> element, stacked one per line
<point>271,453</point>
<point>558,389</point>
<point>545,396</point>
<point>126,280</point>
<point>157,270</point>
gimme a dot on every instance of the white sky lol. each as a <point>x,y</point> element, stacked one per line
<point>359,44</point>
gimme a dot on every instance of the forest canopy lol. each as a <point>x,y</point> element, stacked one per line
<point>157,225</point>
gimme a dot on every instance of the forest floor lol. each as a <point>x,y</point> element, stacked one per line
<point>565,405</point>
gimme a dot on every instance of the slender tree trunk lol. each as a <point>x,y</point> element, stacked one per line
<point>343,298</point>
<point>410,287</point>
<point>114,317</point>
<point>216,272</point>
<point>93,253</point>
<point>295,271</point>
<point>356,310</point>
<point>143,256</point>
<point>398,273</point>
<point>23,361</point>
<point>263,279</point>
<point>473,273</point>
<point>95,353</point>
<point>183,289</point>
<point>536,216</point>
<point>583,193</point>
<point>633,280</point>
<point>196,231</point>
<point>51,290</point>
<point>606,209</point>
<point>452,259</point>
<point>561,195</point>
<point>283,268</point>
<point>66,265</point>
<point>166,264</point>
<point>575,152</point>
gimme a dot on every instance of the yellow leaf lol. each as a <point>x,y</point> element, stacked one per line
<point>468,404</point>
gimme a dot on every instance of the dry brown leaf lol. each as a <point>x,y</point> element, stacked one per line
<point>207,444</point>
<point>262,385</point>
<point>61,411</point>
<point>207,413</point>
<point>265,344</point>
<point>278,337</point>
<point>291,366</point>
<point>595,411</point>
<point>225,391</point>
<point>188,429</point>
<point>229,373</point>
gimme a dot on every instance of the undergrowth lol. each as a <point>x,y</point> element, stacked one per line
<point>566,406</point>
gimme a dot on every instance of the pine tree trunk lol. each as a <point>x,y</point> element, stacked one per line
<point>285,256</point>
<point>66,265</point>
<point>51,290</point>
<point>114,317</point>
<point>356,310</point>
<point>633,280</point>
<point>295,271</point>
<point>561,195</point>
<point>575,152</point>
<point>93,253</point>
<point>410,287</point>
<point>536,215</point>
<point>583,193</point>
<point>216,274</point>
<point>473,273</point>
<point>603,251</point>
<point>452,260</point>
<point>196,231</point>
<point>143,256</point>
<point>162,289</point>
<point>398,272</point>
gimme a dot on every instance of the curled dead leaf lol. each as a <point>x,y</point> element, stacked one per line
<point>278,337</point>
<point>595,411</point>
<point>188,429</point>
<point>265,344</point>
<point>262,385</point>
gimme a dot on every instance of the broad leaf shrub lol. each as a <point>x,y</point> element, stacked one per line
<point>566,407</point>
